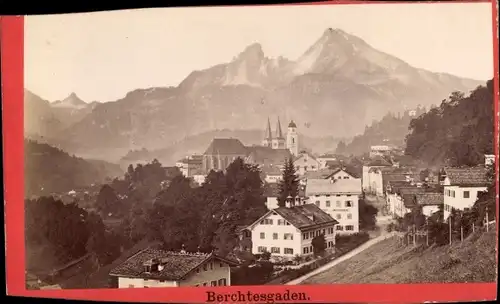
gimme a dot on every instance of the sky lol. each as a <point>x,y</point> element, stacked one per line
<point>102,56</point>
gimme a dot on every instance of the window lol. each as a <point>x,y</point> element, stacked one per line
<point>340,227</point>
<point>346,177</point>
<point>338,203</point>
<point>330,230</point>
<point>349,216</point>
<point>213,283</point>
<point>211,265</point>
<point>330,244</point>
<point>328,203</point>
<point>275,250</point>
<point>348,195</point>
<point>312,167</point>
<point>275,236</point>
<point>305,236</point>
<point>293,140</point>
<point>288,250</point>
<point>197,270</point>
<point>311,234</point>
<point>222,282</point>
<point>466,194</point>
<point>262,249</point>
<point>205,284</point>
<point>339,216</point>
<point>349,227</point>
<point>288,236</point>
<point>348,204</point>
<point>146,286</point>
<point>262,235</point>
<point>328,195</point>
<point>305,168</point>
<point>287,223</point>
<point>317,203</point>
<point>453,193</point>
<point>306,250</point>
<point>318,232</point>
<point>205,267</point>
<point>197,285</point>
<point>311,249</point>
<point>130,286</point>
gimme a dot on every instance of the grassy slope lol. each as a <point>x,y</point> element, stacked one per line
<point>474,260</point>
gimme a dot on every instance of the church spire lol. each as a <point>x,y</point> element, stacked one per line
<point>279,133</point>
<point>268,134</point>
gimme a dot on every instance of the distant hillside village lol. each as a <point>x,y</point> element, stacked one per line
<point>262,214</point>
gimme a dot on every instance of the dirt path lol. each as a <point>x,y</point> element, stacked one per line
<point>343,258</point>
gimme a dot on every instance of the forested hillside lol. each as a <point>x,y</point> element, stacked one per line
<point>50,170</point>
<point>458,132</point>
<point>390,130</point>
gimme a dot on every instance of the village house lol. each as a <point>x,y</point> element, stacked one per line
<point>380,150</point>
<point>462,186</point>
<point>287,232</point>
<point>271,175</point>
<point>158,268</point>
<point>371,178</point>
<point>271,192</point>
<point>400,199</point>
<point>339,198</point>
<point>305,162</point>
<point>190,164</point>
<point>325,159</point>
<point>429,202</point>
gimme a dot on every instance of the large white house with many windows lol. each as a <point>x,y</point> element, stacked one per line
<point>339,198</point>
<point>287,232</point>
<point>462,186</point>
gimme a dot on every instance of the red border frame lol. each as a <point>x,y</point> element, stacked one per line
<point>12,47</point>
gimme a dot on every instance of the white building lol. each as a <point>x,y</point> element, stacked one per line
<point>305,162</point>
<point>462,186</point>
<point>158,268</point>
<point>369,179</point>
<point>379,150</point>
<point>324,159</point>
<point>190,164</point>
<point>339,198</point>
<point>287,232</point>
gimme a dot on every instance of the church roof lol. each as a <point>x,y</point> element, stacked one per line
<point>267,156</point>
<point>226,146</point>
<point>292,124</point>
<point>268,134</point>
<point>279,133</point>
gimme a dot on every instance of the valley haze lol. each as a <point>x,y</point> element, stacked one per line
<point>334,88</point>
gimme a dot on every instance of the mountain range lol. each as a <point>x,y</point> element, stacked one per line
<point>337,87</point>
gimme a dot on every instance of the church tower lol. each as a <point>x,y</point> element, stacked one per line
<point>267,142</point>
<point>292,139</point>
<point>279,139</point>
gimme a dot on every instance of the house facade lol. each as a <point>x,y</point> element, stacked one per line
<point>305,162</point>
<point>339,198</point>
<point>371,177</point>
<point>462,187</point>
<point>287,232</point>
<point>157,268</point>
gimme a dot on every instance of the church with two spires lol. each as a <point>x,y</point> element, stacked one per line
<point>270,155</point>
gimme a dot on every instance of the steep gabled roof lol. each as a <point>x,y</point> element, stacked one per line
<point>476,176</point>
<point>379,161</point>
<point>304,216</point>
<point>429,199</point>
<point>226,146</point>
<point>338,186</point>
<point>268,134</point>
<point>176,265</point>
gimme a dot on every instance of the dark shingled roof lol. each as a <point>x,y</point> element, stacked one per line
<point>467,176</point>
<point>305,216</point>
<point>226,146</point>
<point>379,161</point>
<point>409,200</point>
<point>267,156</point>
<point>429,199</point>
<point>176,265</point>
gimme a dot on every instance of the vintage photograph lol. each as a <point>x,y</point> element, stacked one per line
<point>264,145</point>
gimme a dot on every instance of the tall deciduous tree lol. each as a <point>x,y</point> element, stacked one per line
<point>289,184</point>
